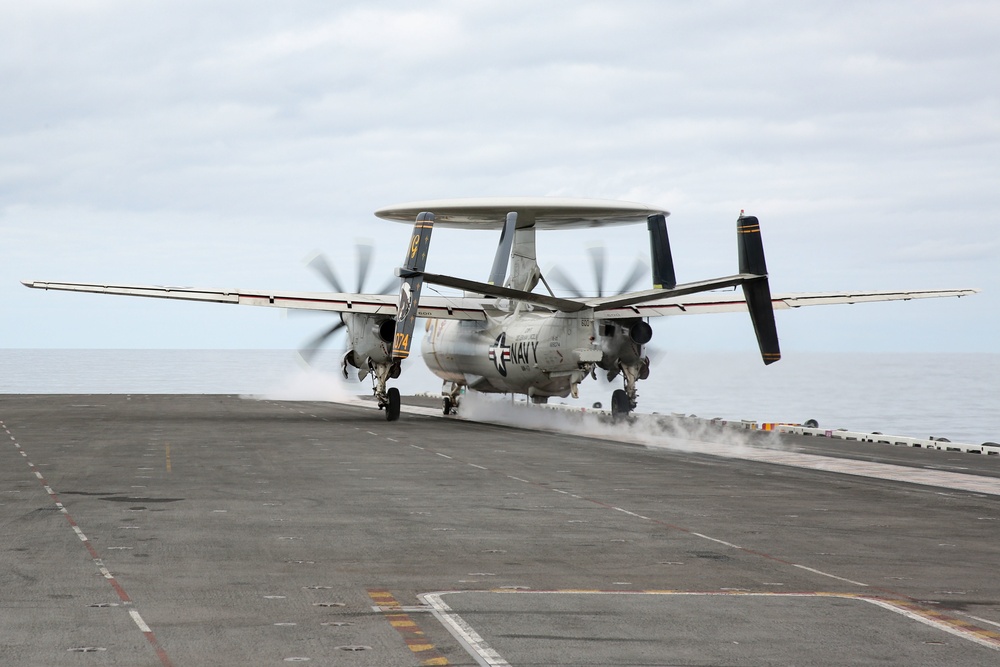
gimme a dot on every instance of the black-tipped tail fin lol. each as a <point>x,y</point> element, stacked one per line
<point>756,290</point>
<point>659,252</point>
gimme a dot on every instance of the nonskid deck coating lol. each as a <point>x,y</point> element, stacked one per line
<point>243,532</point>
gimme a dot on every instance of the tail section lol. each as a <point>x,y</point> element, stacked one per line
<point>413,281</point>
<point>756,289</point>
<point>659,252</point>
<point>499,272</point>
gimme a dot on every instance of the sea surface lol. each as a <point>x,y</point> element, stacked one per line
<point>956,396</point>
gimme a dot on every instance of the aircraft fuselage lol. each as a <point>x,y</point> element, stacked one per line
<point>538,354</point>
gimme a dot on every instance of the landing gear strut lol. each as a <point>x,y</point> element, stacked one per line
<point>392,405</point>
<point>623,401</point>
<point>452,398</point>
<point>620,405</point>
<point>388,398</point>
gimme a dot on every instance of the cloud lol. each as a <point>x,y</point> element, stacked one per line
<point>227,136</point>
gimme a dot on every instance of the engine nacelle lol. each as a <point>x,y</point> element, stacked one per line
<point>385,330</point>
<point>621,343</point>
<point>640,332</point>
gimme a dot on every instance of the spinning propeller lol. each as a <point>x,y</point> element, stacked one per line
<point>598,265</point>
<point>322,266</point>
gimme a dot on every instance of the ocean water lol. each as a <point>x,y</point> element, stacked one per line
<point>956,396</point>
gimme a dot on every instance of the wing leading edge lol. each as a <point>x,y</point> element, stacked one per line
<point>474,308</point>
<point>729,302</point>
<point>444,307</point>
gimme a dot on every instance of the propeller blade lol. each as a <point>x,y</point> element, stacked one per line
<point>638,270</point>
<point>391,287</point>
<point>364,251</point>
<point>309,350</point>
<point>562,280</point>
<point>597,260</point>
<point>320,265</point>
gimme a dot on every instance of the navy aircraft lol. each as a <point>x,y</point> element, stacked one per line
<point>501,336</point>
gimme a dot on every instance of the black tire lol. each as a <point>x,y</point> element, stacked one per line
<point>811,423</point>
<point>392,408</point>
<point>620,405</point>
<point>447,406</point>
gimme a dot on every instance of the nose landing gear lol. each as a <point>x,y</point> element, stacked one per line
<point>452,397</point>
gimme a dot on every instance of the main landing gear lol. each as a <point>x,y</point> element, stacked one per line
<point>392,405</point>
<point>620,404</point>
<point>623,401</point>
<point>388,398</point>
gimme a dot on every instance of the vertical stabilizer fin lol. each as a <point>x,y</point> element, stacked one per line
<point>409,291</point>
<point>502,259</point>
<point>756,290</point>
<point>524,271</point>
<point>659,252</point>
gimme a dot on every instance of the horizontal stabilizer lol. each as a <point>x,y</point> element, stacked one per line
<point>564,305</point>
<point>635,298</point>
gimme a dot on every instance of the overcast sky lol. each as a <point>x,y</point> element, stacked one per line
<point>217,144</point>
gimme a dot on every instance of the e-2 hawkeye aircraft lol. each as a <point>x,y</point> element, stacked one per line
<point>503,337</point>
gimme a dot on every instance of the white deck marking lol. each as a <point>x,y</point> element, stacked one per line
<point>982,620</point>
<point>892,472</point>
<point>98,561</point>
<point>713,539</point>
<point>827,574</point>
<point>138,620</point>
<point>486,655</point>
<point>934,623</point>
<point>483,653</point>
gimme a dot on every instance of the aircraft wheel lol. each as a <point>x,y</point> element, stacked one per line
<point>447,405</point>
<point>392,408</point>
<point>620,405</point>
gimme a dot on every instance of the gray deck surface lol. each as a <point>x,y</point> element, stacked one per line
<point>211,530</point>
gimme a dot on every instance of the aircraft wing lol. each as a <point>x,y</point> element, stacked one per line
<point>444,307</point>
<point>733,301</point>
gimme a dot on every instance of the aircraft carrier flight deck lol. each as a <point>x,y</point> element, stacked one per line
<point>173,530</point>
